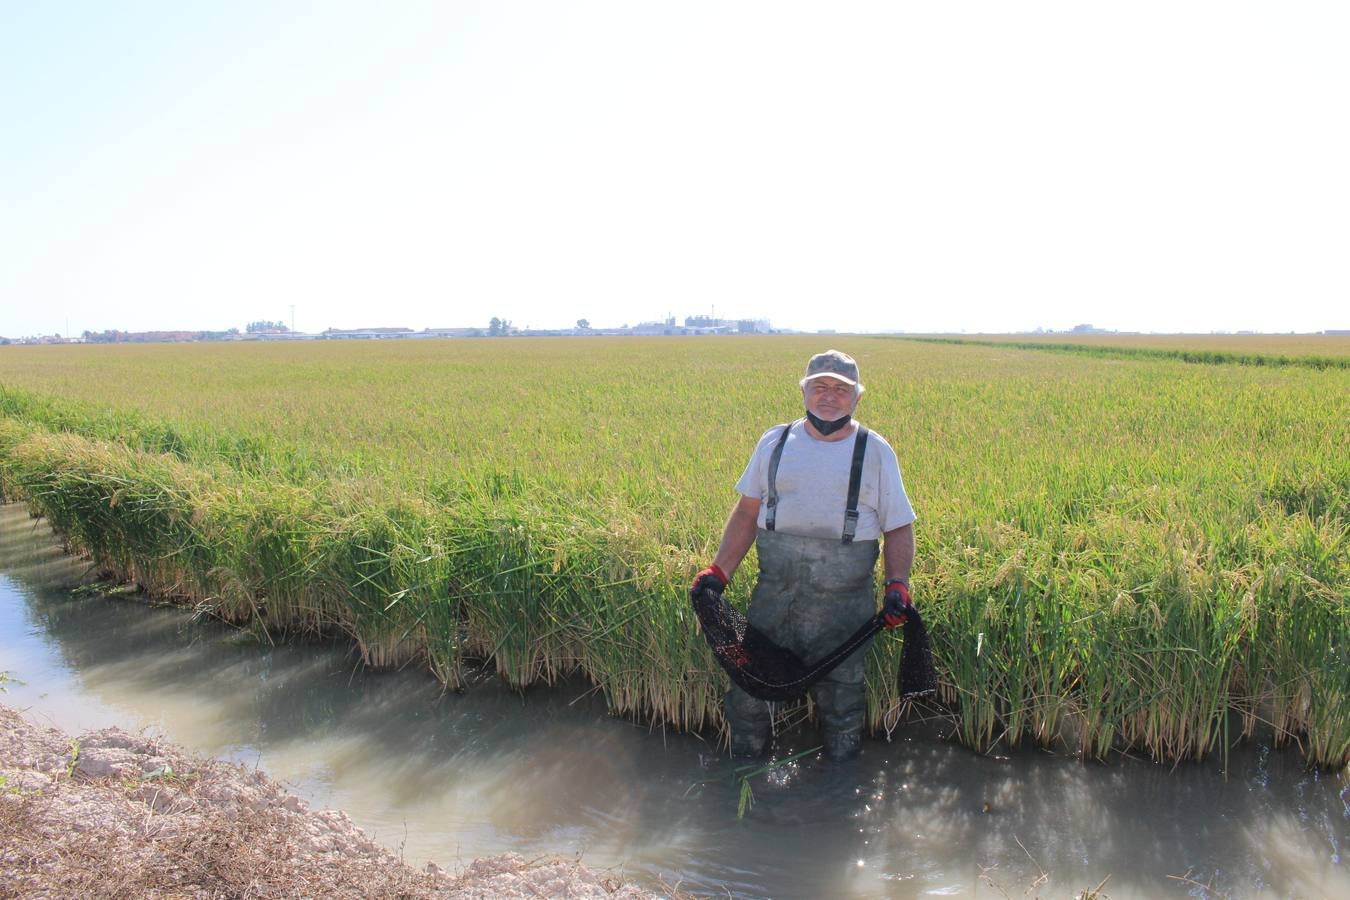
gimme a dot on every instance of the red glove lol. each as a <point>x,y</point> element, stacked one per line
<point>896,603</point>
<point>711,578</point>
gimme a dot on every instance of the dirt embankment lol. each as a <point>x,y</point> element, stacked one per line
<point>111,814</point>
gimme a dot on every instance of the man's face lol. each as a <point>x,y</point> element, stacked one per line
<point>829,398</point>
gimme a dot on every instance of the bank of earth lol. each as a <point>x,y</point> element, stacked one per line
<point>113,814</point>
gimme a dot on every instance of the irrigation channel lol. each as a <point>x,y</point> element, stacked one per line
<point>449,777</point>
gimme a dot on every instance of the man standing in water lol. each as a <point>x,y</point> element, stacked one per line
<point>820,498</point>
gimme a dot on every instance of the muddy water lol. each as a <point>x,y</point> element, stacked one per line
<point>448,777</point>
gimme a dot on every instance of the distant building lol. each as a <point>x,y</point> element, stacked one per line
<point>708,325</point>
<point>366,334</point>
<point>281,336</point>
<point>451,332</point>
<point>666,327</point>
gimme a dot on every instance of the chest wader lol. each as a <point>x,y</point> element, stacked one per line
<point>809,596</point>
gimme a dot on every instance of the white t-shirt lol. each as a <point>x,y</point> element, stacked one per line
<point>813,485</point>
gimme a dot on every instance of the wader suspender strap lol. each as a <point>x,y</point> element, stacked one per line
<point>772,501</point>
<point>854,482</point>
<point>854,485</point>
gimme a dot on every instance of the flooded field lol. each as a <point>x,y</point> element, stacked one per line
<point>450,776</point>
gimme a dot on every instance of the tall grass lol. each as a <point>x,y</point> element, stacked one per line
<point>1113,552</point>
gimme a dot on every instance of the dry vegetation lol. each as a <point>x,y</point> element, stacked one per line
<point>110,814</point>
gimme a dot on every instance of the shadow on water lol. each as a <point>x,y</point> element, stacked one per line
<point>452,776</point>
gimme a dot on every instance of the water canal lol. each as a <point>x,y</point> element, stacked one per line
<point>448,777</point>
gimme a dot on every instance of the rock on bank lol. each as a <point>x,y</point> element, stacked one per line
<point>111,814</point>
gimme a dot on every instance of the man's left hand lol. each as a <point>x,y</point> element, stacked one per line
<point>897,603</point>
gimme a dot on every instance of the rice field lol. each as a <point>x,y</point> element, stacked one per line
<point>1329,351</point>
<point>1114,552</point>
<point>1291,346</point>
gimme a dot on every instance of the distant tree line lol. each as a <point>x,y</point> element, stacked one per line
<point>113,336</point>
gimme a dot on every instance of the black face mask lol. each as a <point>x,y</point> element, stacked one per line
<point>824,427</point>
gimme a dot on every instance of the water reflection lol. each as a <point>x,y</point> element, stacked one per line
<point>453,776</point>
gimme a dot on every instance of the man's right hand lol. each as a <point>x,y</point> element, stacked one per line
<point>712,578</point>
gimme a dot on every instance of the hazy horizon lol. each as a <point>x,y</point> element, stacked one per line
<point>600,328</point>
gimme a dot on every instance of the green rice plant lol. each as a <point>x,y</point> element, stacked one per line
<point>1115,551</point>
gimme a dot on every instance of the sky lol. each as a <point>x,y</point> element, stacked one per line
<point>956,166</point>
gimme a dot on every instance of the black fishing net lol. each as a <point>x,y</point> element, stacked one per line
<point>769,672</point>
